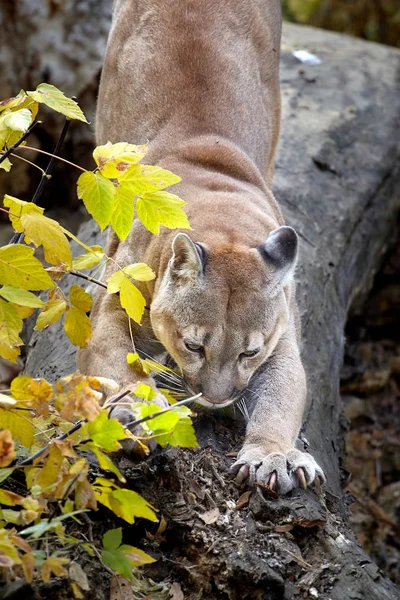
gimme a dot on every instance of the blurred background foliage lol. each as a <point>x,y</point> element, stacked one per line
<point>374,20</point>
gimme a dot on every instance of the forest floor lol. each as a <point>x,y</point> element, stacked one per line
<point>370,387</point>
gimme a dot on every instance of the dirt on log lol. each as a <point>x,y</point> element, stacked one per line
<point>337,179</point>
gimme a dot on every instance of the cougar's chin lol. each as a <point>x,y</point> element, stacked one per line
<point>203,401</point>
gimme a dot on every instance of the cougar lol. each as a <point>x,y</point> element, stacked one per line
<point>198,79</point>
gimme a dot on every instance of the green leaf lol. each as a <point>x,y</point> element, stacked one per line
<point>124,211</point>
<point>114,159</point>
<point>19,268</point>
<point>35,531</point>
<point>18,120</point>
<point>130,297</point>
<point>105,432</point>
<point>165,422</point>
<point>78,327</point>
<point>161,208</point>
<point>21,297</point>
<point>89,259</point>
<point>112,539</point>
<point>147,178</point>
<point>117,561</point>
<point>182,435</point>
<point>52,311</point>
<point>105,462</point>
<point>5,473</point>
<point>55,99</point>
<point>97,193</point>
<point>133,505</point>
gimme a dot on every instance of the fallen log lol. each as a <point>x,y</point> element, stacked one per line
<point>337,179</point>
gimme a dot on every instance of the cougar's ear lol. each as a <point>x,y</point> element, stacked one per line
<point>280,251</point>
<point>188,259</point>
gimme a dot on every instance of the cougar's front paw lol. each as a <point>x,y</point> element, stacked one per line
<point>281,471</point>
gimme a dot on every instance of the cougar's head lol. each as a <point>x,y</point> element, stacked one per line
<point>220,311</point>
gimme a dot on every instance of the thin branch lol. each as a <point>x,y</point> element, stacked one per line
<point>76,427</point>
<point>28,161</point>
<point>83,276</point>
<point>7,153</point>
<point>163,411</point>
<point>52,155</point>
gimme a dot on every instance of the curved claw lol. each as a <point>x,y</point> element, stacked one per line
<point>243,474</point>
<point>273,480</point>
<point>302,478</point>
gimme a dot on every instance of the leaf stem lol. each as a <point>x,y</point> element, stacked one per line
<point>7,153</point>
<point>164,410</point>
<point>29,162</point>
<point>52,155</point>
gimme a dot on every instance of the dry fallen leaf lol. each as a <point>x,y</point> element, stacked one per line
<point>243,500</point>
<point>176,592</point>
<point>120,589</point>
<point>283,528</point>
<point>211,516</point>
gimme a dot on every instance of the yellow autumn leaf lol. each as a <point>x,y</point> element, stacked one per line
<point>52,311</point>
<point>161,208</point>
<point>6,164</point>
<point>147,178</point>
<point>24,311</point>
<point>7,450</point>
<point>42,231</point>
<point>114,159</point>
<point>131,298</point>
<point>78,327</point>
<point>18,208</point>
<point>19,268</point>
<point>89,259</point>
<point>21,297</point>
<point>97,194</point>
<point>124,211</point>
<point>21,100</point>
<point>52,470</point>
<point>20,425</point>
<point>55,99</point>
<point>10,328</point>
<point>139,271</point>
<point>80,299</point>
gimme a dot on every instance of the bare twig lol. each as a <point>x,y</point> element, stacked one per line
<point>52,155</point>
<point>164,410</point>
<point>91,279</point>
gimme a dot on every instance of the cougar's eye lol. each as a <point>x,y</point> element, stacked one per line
<point>249,353</point>
<point>194,347</point>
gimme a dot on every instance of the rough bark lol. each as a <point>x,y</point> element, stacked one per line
<point>337,179</point>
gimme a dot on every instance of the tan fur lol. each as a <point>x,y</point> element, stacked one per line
<point>199,81</point>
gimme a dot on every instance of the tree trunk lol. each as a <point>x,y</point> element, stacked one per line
<point>337,179</point>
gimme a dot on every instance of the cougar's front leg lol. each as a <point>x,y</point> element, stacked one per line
<point>105,355</point>
<point>276,396</point>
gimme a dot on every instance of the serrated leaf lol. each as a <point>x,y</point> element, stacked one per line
<point>19,268</point>
<point>148,178</point>
<point>112,539</point>
<point>182,435</point>
<point>105,432</point>
<point>55,99</point>
<point>124,211</point>
<point>80,299</point>
<point>10,325</point>
<point>114,159</point>
<point>18,120</point>
<point>89,259</point>
<point>131,298</point>
<point>104,461</point>
<point>21,100</point>
<point>6,165</point>
<point>78,327</point>
<point>161,208</point>
<point>42,231</point>
<point>126,504</point>
<point>136,556</point>
<point>21,297</point>
<point>18,422</point>
<point>97,194</point>
<point>18,208</point>
<point>117,561</point>
<point>139,271</point>
<point>52,311</point>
